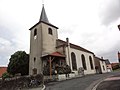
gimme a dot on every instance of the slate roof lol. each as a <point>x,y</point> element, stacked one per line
<point>107,61</point>
<point>100,58</point>
<point>43,16</point>
<point>43,19</point>
<point>74,46</point>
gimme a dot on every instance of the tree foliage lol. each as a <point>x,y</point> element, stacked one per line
<point>6,75</point>
<point>19,63</point>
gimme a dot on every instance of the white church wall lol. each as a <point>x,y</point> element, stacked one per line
<point>78,54</point>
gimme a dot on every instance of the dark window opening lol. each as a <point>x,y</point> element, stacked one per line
<point>74,65</point>
<point>34,71</point>
<point>103,68</point>
<point>35,32</point>
<point>50,31</point>
<point>34,59</point>
<point>91,63</point>
<point>83,62</point>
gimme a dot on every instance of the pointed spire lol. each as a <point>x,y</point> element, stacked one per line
<point>43,19</point>
<point>43,16</point>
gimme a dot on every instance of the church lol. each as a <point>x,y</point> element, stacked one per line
<point>46,48</point>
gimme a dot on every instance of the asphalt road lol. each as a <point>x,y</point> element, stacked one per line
<point>82,83</point>
<point>111,83</point>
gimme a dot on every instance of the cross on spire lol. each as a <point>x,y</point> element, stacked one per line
<point>43,2</point>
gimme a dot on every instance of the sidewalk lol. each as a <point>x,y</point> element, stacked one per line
<point>37,88</point>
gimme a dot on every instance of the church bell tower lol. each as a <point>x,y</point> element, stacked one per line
<point>43,36</point>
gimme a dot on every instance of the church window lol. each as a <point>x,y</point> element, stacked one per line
<point>83,62</point>
<point>35,32</point>
<point>34,59</point>
<point>91,63</point>
<point>50,31</point>
<point>34,71</point>
<point>103,68</point>
<point>74,65</point>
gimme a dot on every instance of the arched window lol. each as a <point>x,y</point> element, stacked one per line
<point>50,31</point>
<point>91,63</point>
<point>35,32</point>
<point>83,62</point>
<point>74,65</point>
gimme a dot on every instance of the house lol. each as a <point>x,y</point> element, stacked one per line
<point>100,65</point>
<point>2,70</point>
<point>115,66</point>
<point>109,66</point>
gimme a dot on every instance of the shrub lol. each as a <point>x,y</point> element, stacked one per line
<point>6,75</point>
<point>21,82</point>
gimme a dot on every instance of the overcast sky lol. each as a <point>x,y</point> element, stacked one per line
<point>92,24</point>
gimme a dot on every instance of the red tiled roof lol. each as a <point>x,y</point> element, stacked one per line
<point>2,70</point>
<point>114,64</point>
<point>57,54</point>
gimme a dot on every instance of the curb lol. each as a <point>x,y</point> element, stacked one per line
<point>94,85</point>
<point>94,88</point>
<point>43,87</point>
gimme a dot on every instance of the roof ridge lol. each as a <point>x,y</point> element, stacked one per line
<point>77,46</point>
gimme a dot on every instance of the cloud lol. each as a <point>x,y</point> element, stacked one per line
<point>109,11</point>
<point>6,48</point>
<point>12,39</point>
<point>111,54</point>
<point>10,46</point>
<point>80,23</point>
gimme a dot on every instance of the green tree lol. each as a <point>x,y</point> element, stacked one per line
<point>19,63</point>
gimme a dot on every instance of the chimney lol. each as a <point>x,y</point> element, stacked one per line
<point>67,42</point>
<point>101,57</point>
